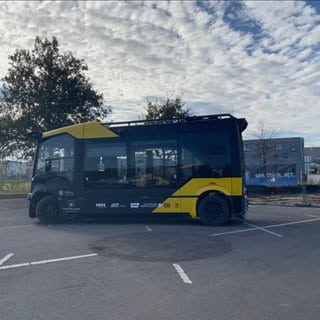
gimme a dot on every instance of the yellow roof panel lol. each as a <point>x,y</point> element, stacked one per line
<point>84,130</point>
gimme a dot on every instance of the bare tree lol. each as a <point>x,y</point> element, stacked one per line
<point>264,133</point>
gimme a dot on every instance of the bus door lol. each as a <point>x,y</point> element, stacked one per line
<point>105,172</point>
<point>129,177</point>
<point>153,173</point>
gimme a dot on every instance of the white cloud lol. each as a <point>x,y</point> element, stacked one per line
<point>138,49</point>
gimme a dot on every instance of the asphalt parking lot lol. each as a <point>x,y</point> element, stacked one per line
<point>266,267</point>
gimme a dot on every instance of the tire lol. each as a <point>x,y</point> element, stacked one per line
<point>47,210</point>
<point>213,211</point>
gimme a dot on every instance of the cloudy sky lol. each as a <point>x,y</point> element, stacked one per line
<point>254,59</point>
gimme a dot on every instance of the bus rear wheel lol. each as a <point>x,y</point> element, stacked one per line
<point>47,210</point>
<point>213,211</point>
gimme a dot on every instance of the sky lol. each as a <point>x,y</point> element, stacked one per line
<point>254,59</point>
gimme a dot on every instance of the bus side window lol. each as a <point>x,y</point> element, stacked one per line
<point>206,158</point>
<point>190,164</point>
<point>155,163</point>
<point>105,164</point>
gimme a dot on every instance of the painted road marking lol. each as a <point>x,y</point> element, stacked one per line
<point>28,264</point>
<point>15,227</point>
<point>232,232</point>
<point>265,227</point>
<point>148,228</point>
<point>182,274</point>
<point>14,266</point>
<point>291,223</point>
<point>6,258</point>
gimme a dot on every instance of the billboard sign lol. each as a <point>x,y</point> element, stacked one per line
<point>279,175</point>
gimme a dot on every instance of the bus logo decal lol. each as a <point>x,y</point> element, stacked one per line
<point>149,205</point>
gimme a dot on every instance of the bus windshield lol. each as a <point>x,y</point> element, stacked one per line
<point>55,154</point>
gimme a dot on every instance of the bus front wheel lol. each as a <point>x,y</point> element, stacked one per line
<point>47,210</point>
<point>213,211</point>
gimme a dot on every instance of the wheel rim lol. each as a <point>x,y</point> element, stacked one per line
<point>214,211</point>
<point>51,210</point>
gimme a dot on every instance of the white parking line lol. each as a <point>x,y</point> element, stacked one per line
<point>312,216</point>
<point>14,266</point>
<point>232,232</point>
<point>291,223</point>
<point>15,227</point>
<point>63,259</point>
<point>263,229</point>
<point>148,228</point>
<point>182,274</point>
<point>6,258</point>
<point>28,264</point>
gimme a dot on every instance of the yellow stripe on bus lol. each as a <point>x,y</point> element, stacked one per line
<point>178,205</point>
<point>197,186</point>
<point>185,199</point>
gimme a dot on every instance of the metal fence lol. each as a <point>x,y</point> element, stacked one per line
<point>15,170</point>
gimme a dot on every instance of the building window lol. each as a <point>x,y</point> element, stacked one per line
<point>285,155</point>
<point>246,148</point>
<point>293,149</point>
<point>278,147</point>
<point>276,156</point>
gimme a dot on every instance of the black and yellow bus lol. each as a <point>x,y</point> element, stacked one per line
<point>192,166</point>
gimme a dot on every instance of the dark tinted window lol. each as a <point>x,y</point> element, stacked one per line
<point>206,155</point>
<point>105,164</point>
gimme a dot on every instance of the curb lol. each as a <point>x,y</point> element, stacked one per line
<point>13,196</point>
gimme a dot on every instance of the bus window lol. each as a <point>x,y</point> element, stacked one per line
<point>155,163</point>
<point>55,155</point>
<point>189,164</point>
<point>208,157</point>
<point>105,164</point>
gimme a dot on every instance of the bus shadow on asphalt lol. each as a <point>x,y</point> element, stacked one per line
<point>133,219</point>
<point>138,219</point>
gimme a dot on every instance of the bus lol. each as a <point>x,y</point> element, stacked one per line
<point>192,166</point>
